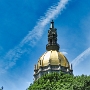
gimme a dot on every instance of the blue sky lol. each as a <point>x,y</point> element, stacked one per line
<point>23,37</point>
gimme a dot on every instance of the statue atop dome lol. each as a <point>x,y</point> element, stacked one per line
<point>52,38</point>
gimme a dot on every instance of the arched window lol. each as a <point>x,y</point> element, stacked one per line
<point>40,62</point>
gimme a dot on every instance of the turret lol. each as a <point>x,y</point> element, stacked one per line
<point>71,69</point>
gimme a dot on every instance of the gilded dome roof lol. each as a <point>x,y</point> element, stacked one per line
<point>52,57</point>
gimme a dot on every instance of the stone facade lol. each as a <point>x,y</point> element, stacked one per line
<point>51,68</point>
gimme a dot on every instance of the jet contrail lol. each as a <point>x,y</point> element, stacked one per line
<point>81,57</point>
<point>33,36</point>
<point>37,32</point>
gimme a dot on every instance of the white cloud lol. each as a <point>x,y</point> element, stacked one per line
<point>81,57</point>
<point>65,53</point>
<point>33,36</point>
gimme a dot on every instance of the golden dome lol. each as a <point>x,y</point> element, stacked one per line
<point>52,57</point>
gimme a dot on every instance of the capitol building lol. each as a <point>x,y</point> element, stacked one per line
<point>52,60</point>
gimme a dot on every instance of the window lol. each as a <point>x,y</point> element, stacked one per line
<point>40,62</point>
<point>50,40</point>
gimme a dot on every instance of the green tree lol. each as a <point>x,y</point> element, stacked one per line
<point>61,81</point>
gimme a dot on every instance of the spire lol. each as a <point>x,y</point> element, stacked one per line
<point>71,67</point>
<point>52,24</point>
<point>52,38</point>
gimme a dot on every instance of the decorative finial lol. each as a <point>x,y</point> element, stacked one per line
<point>52,24</point>
<point>71,66</point>
<point>1,88</point>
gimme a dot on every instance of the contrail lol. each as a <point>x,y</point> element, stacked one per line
<point>81,57</point>
<point>37,32</point>
<point>33,36</point>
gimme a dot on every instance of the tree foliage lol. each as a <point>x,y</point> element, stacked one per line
<point>61,81</point>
